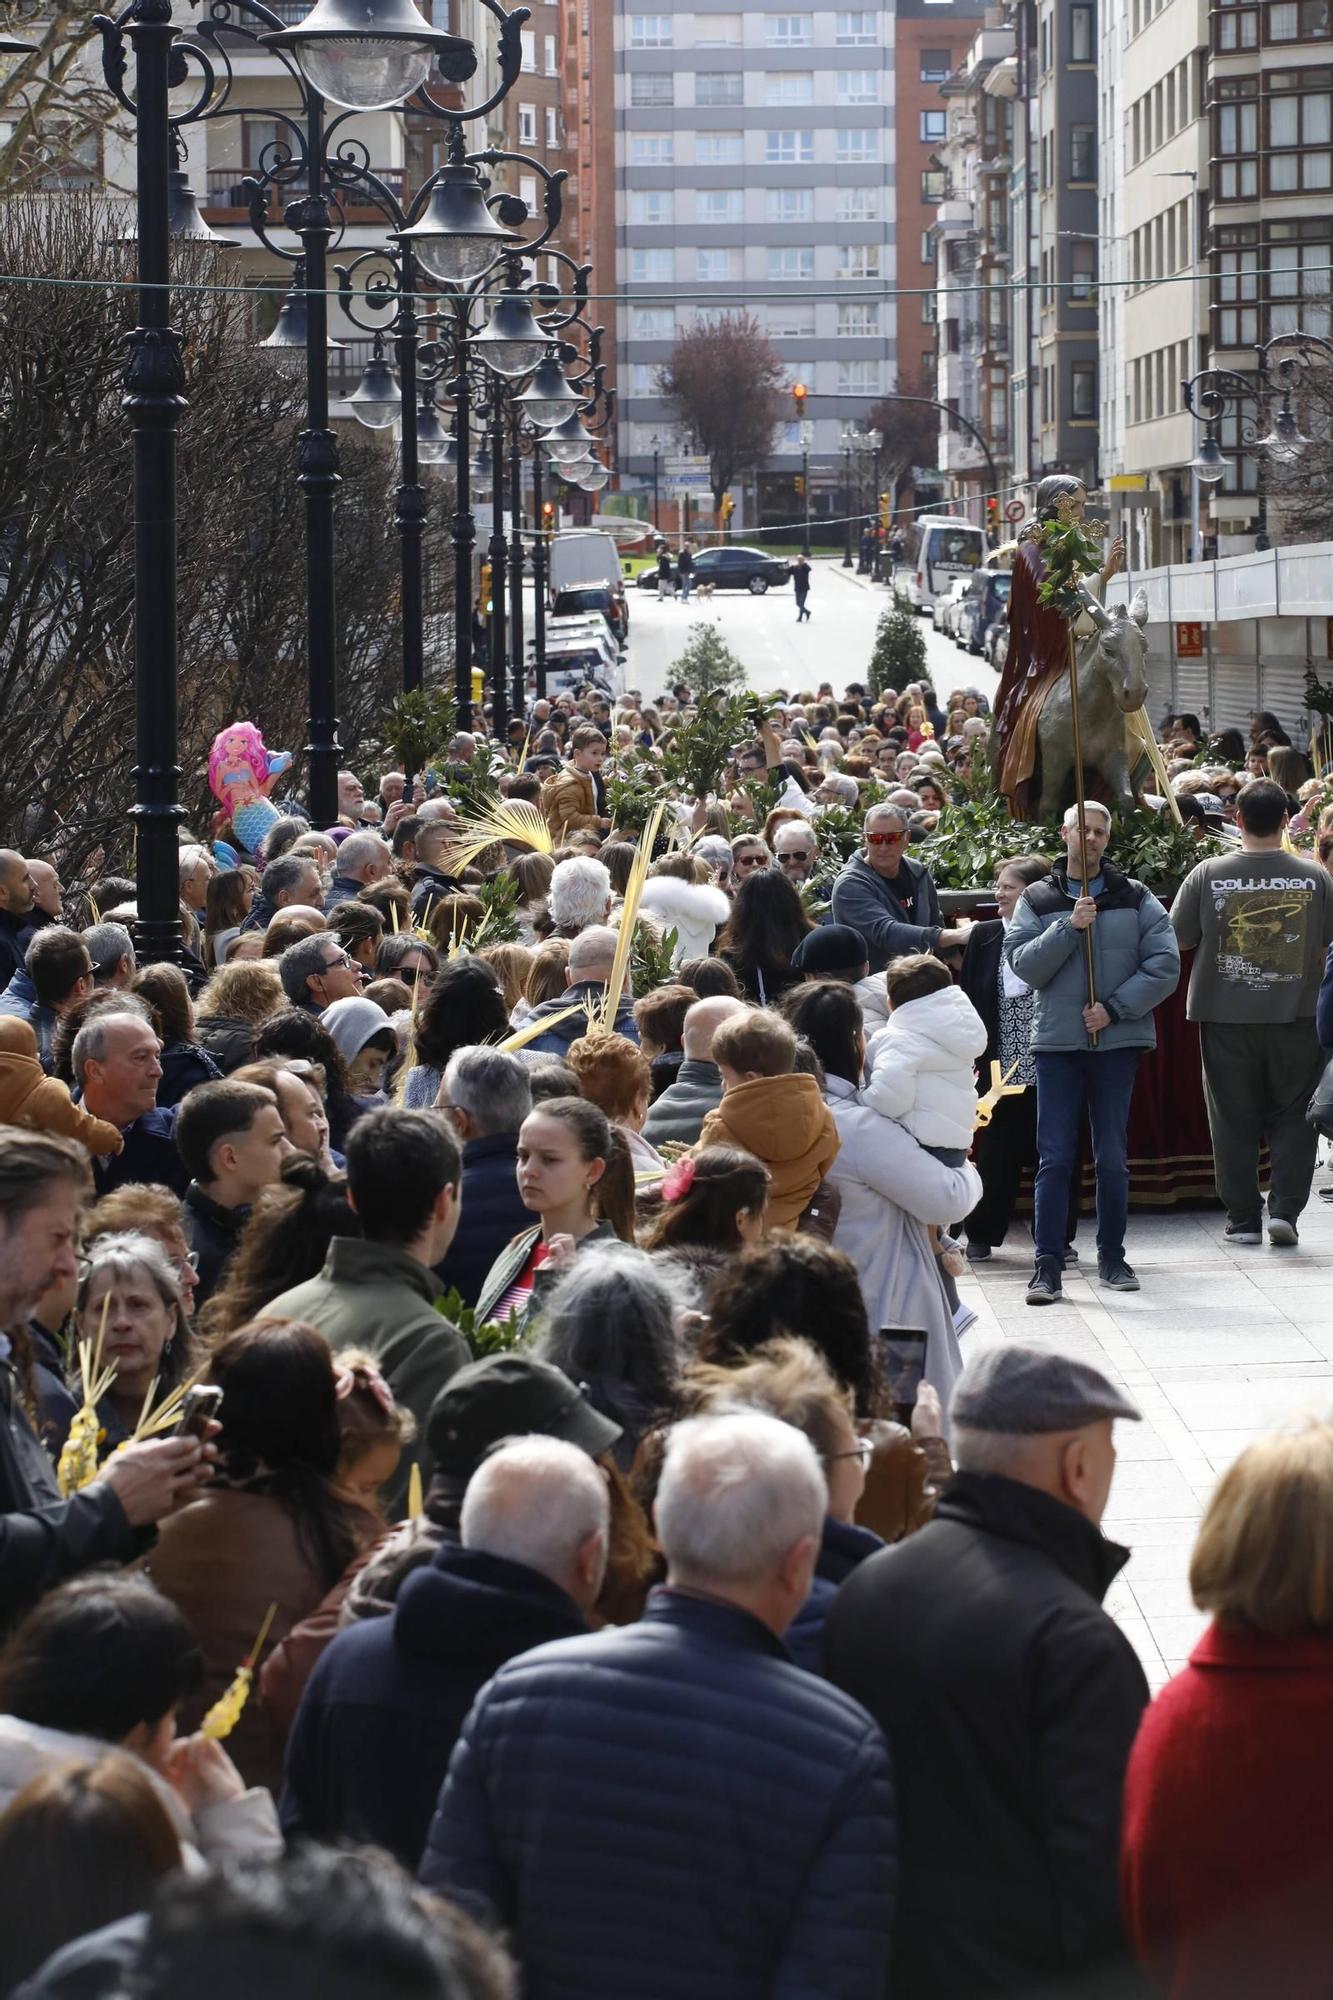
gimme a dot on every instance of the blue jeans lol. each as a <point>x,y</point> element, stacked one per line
<point>1103,1079</point>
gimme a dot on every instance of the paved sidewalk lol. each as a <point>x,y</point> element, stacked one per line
<point>1220,1343</point>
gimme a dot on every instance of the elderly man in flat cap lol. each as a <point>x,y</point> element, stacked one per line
<point>1010,1699</point>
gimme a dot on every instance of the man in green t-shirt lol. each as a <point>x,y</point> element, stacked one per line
<point>1259,923</point>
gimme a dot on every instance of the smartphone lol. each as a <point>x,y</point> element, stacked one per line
<point>904,1367</point>
<point>199,1408</point>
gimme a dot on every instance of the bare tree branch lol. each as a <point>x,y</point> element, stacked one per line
<point>727,385</point>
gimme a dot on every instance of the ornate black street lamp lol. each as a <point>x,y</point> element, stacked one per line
<point>1215,393</point>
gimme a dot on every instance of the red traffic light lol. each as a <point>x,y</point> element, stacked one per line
<point>798,395</point>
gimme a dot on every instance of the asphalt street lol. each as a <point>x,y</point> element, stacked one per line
<point>834,645</point>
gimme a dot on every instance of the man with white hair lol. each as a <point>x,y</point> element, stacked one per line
<point>591,961</point>
<point>796,850</point>
<point>890,898</point>
<point>382,1711</point>
<point>579,895</point>
<point>1010,1699</point>
<point>679,1113</point>
<point>1088,1050</point>
<point>675,1807</point>
<point>363,860</point>
<point>486,1095</point>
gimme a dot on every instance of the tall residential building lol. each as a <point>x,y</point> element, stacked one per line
<point>1270,111</point>
<point>755,164</point>
<point>590,137</point>
<point>1153,278</point>
<point>971,240</point>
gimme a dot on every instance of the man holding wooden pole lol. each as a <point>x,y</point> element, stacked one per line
<point>1087,1051</point>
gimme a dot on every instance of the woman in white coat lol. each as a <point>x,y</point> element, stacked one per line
<point>680,896</point>
<point>892,1189</point>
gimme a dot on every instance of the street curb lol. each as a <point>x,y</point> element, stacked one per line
<point>834,568</point>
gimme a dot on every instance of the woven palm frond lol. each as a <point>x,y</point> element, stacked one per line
<point>516,821</point>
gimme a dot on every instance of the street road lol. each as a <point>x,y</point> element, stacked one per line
<point>834,645</point>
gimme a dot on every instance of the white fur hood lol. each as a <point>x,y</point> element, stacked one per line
<point>695,911</point>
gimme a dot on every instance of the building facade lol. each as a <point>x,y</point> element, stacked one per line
<point>754,168</point>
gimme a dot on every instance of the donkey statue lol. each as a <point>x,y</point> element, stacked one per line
<point>1112,684</point>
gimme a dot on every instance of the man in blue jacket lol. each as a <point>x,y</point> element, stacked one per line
<point>890,899</point>
<point>675,1807</point>
<point>1088,1051</point>
<point>487,1095</point>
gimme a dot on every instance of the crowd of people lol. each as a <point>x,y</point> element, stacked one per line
<point>495,1489</point>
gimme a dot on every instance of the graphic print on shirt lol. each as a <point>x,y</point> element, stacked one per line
<point>1263,930</point>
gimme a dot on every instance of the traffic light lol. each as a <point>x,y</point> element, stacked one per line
<point>485,605</point>
<point>728,508</point>
<point>799,393</point>
<point>993,513</point>
<point>548,513</point>
<point>800,485</point>
<point>885,509</point>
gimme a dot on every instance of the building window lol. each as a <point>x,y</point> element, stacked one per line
<point>1298,21</point>
<point>1083,152</point>
<point>934,183</point>
<point>1235,27</point>
<point>1238,150</point>
<point>653,323</point>
<point>929,309</point>
<point>1083,390</point>
<point>1082,273</point>
<point>858,260</point>
<point>788,31</point>
<point>857,204</point>
<point>857,146</point>
<point>790,266</point>
<point>935,65</point>
<point>789,149</point>
<point>858,86</point>
<point>718,87</point>
<point>1080,35</point>
<point>650,31</point>
<point>717,31</point>
<point>1298,142</point>
<point>1299,284</point>
<point>716,267</point>
<point>651,267</point>
<point>856,31</point>
<point>527,193</point>
<point>718,149</point>
<point>649,205</point>
<point>651,87</point>
<point>719,205</point>
<point>858,378</point>
<point>527,124</point>
<point>789,205</point>
<point>789,320</point>
<point>858,320</point>
<point>552,126</point>
<point>652,149</point>
<point>643,378</point>
<point>934,125</point>
<point>795,86</point>
<point>549,59</point>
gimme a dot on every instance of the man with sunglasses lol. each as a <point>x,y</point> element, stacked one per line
<point>890,898</point>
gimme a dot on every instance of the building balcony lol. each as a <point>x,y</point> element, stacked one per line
<point>225,201</point>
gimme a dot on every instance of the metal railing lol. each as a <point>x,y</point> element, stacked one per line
<point>225,187</point>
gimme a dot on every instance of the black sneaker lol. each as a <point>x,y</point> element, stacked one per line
<point>1118,1277</point>
<point>1071,1257</point>
<point>1044,1288</point>
<point>1244,1232</point>
<point>1281,1232</point>
<point>978,1253</point>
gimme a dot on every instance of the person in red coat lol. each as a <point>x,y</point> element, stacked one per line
<point>1227,1841</point>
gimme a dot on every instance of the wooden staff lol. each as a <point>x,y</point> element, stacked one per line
<point>1082,817</point>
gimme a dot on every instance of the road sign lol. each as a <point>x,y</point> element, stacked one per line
<point>1189,641</point>
<point>1015,511</point>
<point>1127,482</point>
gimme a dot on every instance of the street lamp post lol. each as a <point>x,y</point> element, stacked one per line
<point>1214,393</point>
<point>848,439</point>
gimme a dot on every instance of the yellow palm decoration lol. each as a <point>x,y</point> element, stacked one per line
<point>226,1711</point>
<point>517,821</point>
<point>605,1021</point>
<point>77,1466</point>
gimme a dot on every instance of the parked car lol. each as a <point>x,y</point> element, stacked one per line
<point>984,600</point>
<point>997,644</point>
<point>582,598</point>
<point>942,611</point>
<point>733,568</point>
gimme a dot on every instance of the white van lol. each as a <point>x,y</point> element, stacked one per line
<point>941,548</point>
<point>582,555</point>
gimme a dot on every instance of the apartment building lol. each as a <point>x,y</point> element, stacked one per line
<point>1270,134</point>
<point>972,247</point>
<point>929,39</point>
<point>755,162</point>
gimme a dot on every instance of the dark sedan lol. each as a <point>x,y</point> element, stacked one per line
<point>733,568</point>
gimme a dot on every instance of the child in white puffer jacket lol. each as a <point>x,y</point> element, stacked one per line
<point>921,1066</point>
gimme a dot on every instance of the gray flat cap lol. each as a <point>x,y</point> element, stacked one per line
<point>1026,1390</point>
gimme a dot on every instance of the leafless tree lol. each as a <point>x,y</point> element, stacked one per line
<point>727,385</point>
<point>1301,490</point>
<point>54,108</point>
<point>911,436</point>
<point>67,548</point>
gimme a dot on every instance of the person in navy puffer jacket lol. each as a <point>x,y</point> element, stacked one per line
<point>676,1808</point>
<point>487,1096</point>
